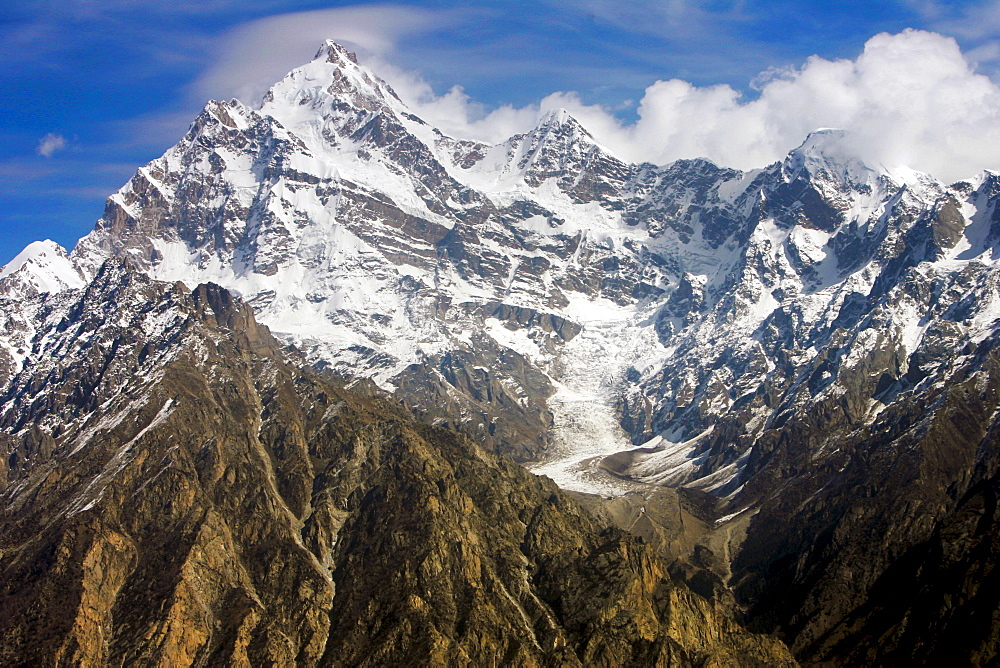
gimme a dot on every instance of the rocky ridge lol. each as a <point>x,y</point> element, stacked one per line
<point>795,341</point>
<point>178,491</point>
<point>682,303</point>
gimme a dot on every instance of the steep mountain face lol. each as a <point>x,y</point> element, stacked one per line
<point>176,491</point>
<point>874,542</point>
<point>544,295</point>
<point>806,350</point>
<point>385,249</point>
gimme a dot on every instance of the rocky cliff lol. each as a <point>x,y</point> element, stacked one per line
<point>782,379</point>
<point>177,490</point>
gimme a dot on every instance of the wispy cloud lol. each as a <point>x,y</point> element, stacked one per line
<point>99,191</point>
<point>51,143</point>
<point>977,24</point>
<point>243,62</point>
<point>251,57</point>
<point>16,172</point>
<point>153,131</point>
<point>974,20</point>
<point>674,19</point>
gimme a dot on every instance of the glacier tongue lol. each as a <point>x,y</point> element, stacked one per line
<point>592,371</point>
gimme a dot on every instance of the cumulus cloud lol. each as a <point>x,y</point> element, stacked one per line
<point>977,24</point>
<point>51,143</point>
<point>909,99</point>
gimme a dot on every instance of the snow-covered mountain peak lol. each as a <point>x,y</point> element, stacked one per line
<point>986,182</point>
<point>561,129</point>
<point>557,146</point>
<point>525,285</point>
<point>820,139</point>
<point>824,183</point>
<point>554,119</point>
<point>33,251</point>
<point>333,52</point>
<point>332,86</point>
<point>830,157</point>
<point>827,153</point>
<point>43,266</point>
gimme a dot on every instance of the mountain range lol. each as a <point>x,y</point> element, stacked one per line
<point>769,398</point>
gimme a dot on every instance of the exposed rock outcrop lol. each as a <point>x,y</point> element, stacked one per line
<point>205,500</point>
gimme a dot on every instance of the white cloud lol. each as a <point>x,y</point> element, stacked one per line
<point>674,19</point>
<point>909,99</point>
<point>51,143</point>
<point>251,57</point>
<point>975,21</point>
<point>977,24</point>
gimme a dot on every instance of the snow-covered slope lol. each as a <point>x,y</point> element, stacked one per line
<point>553,299</point>
<point>43,266</point>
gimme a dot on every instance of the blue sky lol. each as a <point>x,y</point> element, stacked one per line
<point>92,89</point>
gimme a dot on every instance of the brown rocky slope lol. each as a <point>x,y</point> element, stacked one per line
<point>177,490</point>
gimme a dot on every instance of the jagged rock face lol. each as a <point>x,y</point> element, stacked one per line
<point>703,304</point>
<point>177,492</point>
<point>377,244</point>
<point>759,336</point>
<point>935,604</point>
<point>880,550</point>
